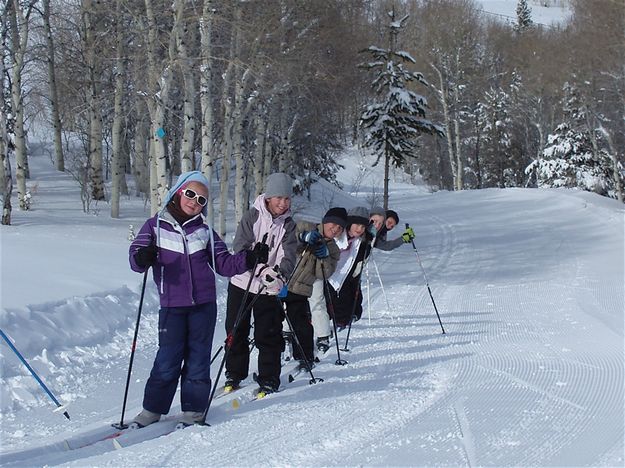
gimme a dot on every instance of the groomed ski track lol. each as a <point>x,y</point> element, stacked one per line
<point>530,371</point>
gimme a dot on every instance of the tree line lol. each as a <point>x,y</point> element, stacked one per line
<point>240,89</point>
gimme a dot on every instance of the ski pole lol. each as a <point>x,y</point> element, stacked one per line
<point>299,344</point>
<point>383,290</point>
<point>34,374</point>
<point>120,424</point>
<point>414,247</point>
<point>351,320</point>
<point>239,317</point>
<point>368,298</point>
<point>366,269</point>
<point>243,309</point>
<point>330,306</point>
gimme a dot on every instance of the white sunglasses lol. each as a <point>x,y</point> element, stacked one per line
<point>192,195</point>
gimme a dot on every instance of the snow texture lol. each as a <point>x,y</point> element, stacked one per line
<point>528,282</point>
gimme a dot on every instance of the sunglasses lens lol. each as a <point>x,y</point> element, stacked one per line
<point>190,194</point>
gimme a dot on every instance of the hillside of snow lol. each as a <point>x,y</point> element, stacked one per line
<point>544,12</point>
<point>530,371</point>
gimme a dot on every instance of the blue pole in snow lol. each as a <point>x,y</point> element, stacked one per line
<point>32,371</point>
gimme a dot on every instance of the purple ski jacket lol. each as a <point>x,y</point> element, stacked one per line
<point>184,272</point>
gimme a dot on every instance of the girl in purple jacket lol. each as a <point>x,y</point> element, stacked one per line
<point>184,254</point>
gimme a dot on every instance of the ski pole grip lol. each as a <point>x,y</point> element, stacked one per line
<point>407,225</point>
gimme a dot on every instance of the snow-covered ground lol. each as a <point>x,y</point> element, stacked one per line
<point>544,12</point>
<point>530,372</point>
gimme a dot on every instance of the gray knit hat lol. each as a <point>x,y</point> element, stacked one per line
<point>279,185</point>
<point>378,210</point>
<point>358,215</point>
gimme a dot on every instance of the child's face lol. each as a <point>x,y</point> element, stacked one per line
<point>278,205</point>
<point>191,196</point>
<point>357,230</point>
<point>377,220</point>
<point>331,230</point>
<point>390,223</point>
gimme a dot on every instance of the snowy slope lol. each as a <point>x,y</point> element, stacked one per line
<point>530,371</point>
<point>543,12</point>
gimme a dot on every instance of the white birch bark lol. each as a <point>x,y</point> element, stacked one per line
<point>240,198</point>
<point>227,137</point>
<point>116,161</point>
<point>268,157</point>
<point>260,125</point>
<point>284,140</point>
<point>93,101</point>
<point>441,94</point>
<point>458,147</point>
<point>188,126</point>
<point>19,25</point>
<point>7,181</point>
<point>159,82</point>
<point>206,81</point>
<point>141,166</point>
<point>54,95</point>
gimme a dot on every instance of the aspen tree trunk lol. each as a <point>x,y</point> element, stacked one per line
<point>284,140</point>
<point>442,97</point>
<point>259,150</point>
<point>188,126</point>
<point>7,181</point>
<point>268,157</point>
<point>19,24</point>
<point>93,102</point>
<point>228,110</point>
<point>478,141</point>
<point>141,166</point>
<point>116,167</point>
<point>7,186</point>
<point>54,95</point>
<point>225,168</point>
<point>248,111</point>
<point>206,81</point>
<point>459,165</point>
<point>159,82</point>
<point>288,157</point>
<point>459,168</point>
<point>237,137</point>
<point>387,165</point>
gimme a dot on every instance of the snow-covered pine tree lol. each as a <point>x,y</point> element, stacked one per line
<point>393,123</point>
<point>523,17</point>
<point>570,158</point>
<point>495,119</point>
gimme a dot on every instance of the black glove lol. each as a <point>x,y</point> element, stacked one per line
<point>146,256</point>
<point>259,254</point>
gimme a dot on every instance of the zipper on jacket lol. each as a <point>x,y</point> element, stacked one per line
<point>188,257</point>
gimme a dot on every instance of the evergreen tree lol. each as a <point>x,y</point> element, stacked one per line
<point>524,17</point>
<point>571,159</point>
<point>496,126</point>
<point>393,122</point>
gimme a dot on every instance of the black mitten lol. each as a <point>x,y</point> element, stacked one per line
<point>146,256</point>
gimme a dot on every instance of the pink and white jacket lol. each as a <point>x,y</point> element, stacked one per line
<point>257,223</point>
